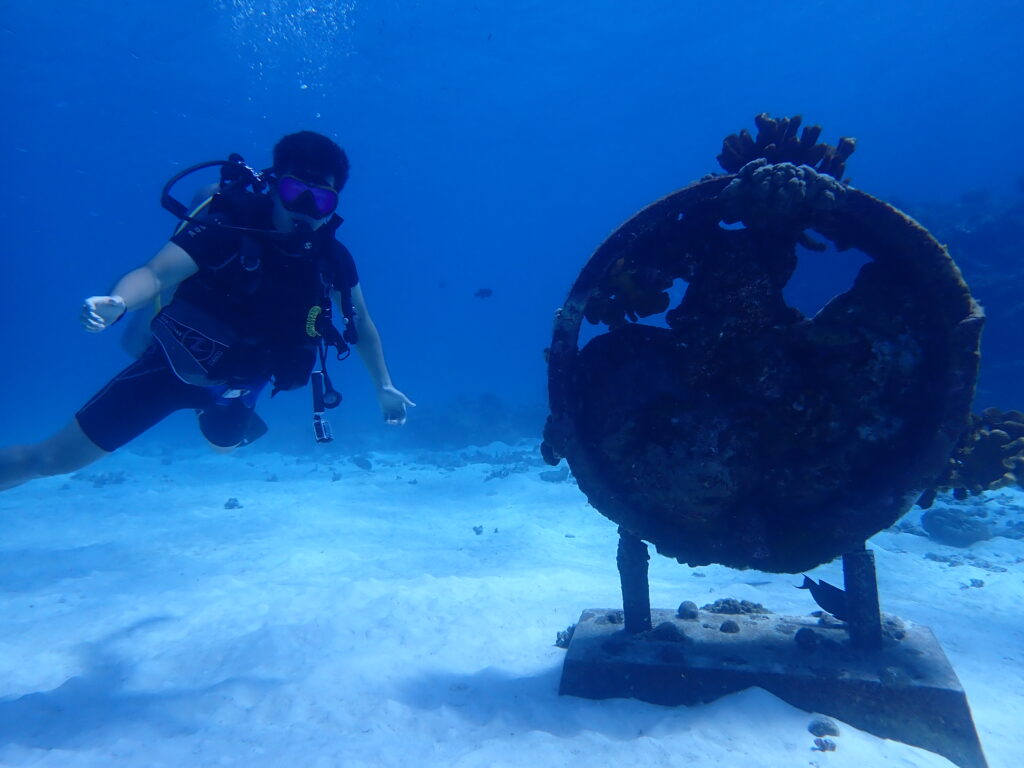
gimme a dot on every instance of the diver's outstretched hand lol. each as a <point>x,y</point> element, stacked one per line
<point>393,404</point>
<point>101,312</point>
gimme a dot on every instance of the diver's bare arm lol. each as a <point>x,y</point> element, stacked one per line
<point>162,273</point>
<point>370,349</point>
<point>392,403</point>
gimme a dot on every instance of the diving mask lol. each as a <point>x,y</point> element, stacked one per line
<point>313,200</point>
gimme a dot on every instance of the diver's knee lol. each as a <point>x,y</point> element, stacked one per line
<point>18,459</point>
<point>30,461</point>
<point>67,451</point>
<point>50,461</point>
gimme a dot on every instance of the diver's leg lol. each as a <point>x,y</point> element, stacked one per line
<point>133,401</point>
<point>67,451</point>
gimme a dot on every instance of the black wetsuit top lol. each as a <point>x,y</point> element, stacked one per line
<point>261,293</point>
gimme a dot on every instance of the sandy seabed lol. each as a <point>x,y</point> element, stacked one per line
<point>257,610</point>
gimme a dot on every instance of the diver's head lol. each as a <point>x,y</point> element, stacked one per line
<point>309,171</point>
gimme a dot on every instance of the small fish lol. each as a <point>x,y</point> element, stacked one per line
<point>483,293</point>
<point>828,597</point>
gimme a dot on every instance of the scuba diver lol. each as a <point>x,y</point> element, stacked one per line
<point>250,278</point>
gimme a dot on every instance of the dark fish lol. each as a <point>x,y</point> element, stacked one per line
<point>828,597</point>
<point>483,293</point>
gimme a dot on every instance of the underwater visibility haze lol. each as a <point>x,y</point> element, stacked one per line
<point>394,596</point>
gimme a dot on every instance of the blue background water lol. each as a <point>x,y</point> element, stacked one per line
<point>493,144</point>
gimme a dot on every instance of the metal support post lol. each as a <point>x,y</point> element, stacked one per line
<point>632,559</point>
<point>864,616</point>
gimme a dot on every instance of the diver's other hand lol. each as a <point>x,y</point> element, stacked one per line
<point>101,312</point>
<point>393,404</point>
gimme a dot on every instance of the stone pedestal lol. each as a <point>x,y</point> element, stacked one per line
<point>906,690</point>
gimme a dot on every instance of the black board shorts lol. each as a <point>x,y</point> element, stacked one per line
<point>147,392</point>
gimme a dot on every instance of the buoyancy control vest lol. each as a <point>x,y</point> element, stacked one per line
<point>258,313</point>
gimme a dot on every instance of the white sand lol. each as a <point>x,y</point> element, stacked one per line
<point>362,622</point>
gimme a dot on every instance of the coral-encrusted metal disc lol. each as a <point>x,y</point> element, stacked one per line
<point>732,429</point>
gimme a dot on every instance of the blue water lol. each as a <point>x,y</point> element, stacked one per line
<point>493,144</point>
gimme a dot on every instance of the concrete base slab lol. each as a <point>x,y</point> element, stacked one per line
<point>907,691</point>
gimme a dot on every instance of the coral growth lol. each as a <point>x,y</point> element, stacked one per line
<point>731,605</point>
<point>777,142</point>
<point>989,455</point>
<point>629,291</point>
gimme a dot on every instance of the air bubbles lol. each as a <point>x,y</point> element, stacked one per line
<point>281,33</point>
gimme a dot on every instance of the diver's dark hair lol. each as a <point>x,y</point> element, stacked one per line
<point>311,156</point>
